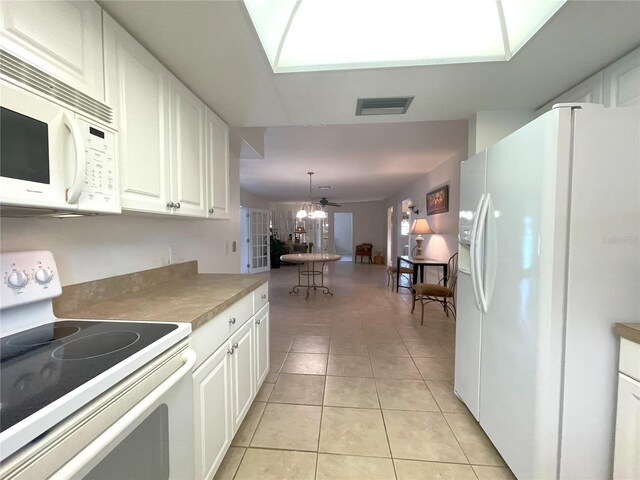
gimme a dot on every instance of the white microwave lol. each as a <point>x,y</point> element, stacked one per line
<point>52,158</point>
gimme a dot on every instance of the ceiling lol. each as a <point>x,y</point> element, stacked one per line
<point>309,117</point>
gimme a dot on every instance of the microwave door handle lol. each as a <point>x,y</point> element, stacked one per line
<point>73,192</point>
<point>91,451</point>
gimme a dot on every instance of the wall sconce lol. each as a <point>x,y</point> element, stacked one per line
<point>414,209</point>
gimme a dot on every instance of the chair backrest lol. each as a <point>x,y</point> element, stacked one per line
<point>452,276</point>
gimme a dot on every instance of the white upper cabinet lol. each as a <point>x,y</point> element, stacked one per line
<point>217,159</point>
<point>188,188</point>
<point>173,150</point>
<point>62,38</point>
<point>136,86</point>
<point>618,85</point>
<point>622,81</point>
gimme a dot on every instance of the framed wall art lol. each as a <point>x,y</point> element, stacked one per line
<point>438,200</point>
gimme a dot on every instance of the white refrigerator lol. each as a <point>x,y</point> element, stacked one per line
<point>549,260</point>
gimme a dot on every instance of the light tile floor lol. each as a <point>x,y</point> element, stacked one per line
<point>358,389</point>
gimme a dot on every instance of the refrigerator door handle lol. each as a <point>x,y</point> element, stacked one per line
<point>472,253</point>
<point>482,223</point>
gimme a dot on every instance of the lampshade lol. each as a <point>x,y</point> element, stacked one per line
<point>420,226</point>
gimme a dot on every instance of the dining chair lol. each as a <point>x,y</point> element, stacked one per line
<point>404,271</point>
<point>443,292</point>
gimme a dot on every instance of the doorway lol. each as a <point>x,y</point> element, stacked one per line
<point>390,255</point>
<point>343,235</point>
<point>254,230</point>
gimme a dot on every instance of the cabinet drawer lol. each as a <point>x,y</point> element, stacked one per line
<point>630,358</point>
<point>208,337</point>
<point>260,296</point>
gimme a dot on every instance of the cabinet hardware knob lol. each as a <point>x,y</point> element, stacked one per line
<point>211,210</point>
<point>234,345</point>
<point>258,322</point>
<point>171,204</point>
<point>263,296</point>
<point>177,205</point>
<point>230,351</point>
<point>232,320</point>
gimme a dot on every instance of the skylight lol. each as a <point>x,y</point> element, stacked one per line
<point>313,35</point>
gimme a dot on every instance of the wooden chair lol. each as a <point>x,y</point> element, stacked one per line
<point>364,250</point>
<point>444,292</point>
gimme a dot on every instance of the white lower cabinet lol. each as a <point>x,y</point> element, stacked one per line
<point>242,371</point>
<point>226,381</point>
<point>626,463</point>
<point>212,411</point>
<point>261,338</point>
<point>626,457</point>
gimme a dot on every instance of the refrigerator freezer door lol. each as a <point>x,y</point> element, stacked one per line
<point>469,318</point>
<point>522,331</point>
<point>603,282</point>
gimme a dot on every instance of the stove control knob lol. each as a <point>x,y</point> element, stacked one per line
<point>17,279</point>
<point>43,276</point>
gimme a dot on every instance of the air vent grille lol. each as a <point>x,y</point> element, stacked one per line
<point>35,78</point>
<point>383,106</point>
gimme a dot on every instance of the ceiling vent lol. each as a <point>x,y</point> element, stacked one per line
<point>383,106</point>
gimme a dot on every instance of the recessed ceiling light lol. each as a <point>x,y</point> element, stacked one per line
<point>312,35</point>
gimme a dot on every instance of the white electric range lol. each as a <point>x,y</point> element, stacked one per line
<point>57,376</point>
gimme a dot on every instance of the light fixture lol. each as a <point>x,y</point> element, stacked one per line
<point>414,209</point>
<point>420,227</point>
<point>311,209</point>
<point>315,35</point>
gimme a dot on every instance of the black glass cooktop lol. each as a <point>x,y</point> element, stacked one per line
<point>42,364</point>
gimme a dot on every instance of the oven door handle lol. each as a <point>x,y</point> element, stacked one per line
<point>87,454</point>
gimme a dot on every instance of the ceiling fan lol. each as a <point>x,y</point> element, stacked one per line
<point>324,202</point>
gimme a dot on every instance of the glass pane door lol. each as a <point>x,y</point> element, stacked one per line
<point>258,240</point>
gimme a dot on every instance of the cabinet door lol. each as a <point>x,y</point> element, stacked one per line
<point>212,412</point>
<point>261,326</point>
<point>136,85</point>
<point>242,371</point>
<point>622,81</point>
<point>626,462</point>
<point>187,142</point>
<point>62,38</point>
<point>217,152</point>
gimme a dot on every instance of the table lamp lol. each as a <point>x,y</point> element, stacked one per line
<point>420,227</point>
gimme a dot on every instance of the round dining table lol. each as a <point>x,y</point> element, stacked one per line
<point>308,268</point>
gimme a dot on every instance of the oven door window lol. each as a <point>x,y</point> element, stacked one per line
<point>24,147</point>
<point>142,455</point>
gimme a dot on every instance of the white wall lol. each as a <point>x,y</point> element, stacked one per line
<point>444,242</point>
<point>490,126</point>
<point>91,248</point>
<point>249,200</point>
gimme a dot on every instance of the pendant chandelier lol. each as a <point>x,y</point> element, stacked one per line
<point>311,209</point>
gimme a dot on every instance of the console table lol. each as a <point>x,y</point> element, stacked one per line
<point>306,263</point>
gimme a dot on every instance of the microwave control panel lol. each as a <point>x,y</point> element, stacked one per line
<point>100,192</point>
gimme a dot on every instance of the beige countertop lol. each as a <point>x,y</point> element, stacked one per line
<point>192,298</point>
<point>630,331</point>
